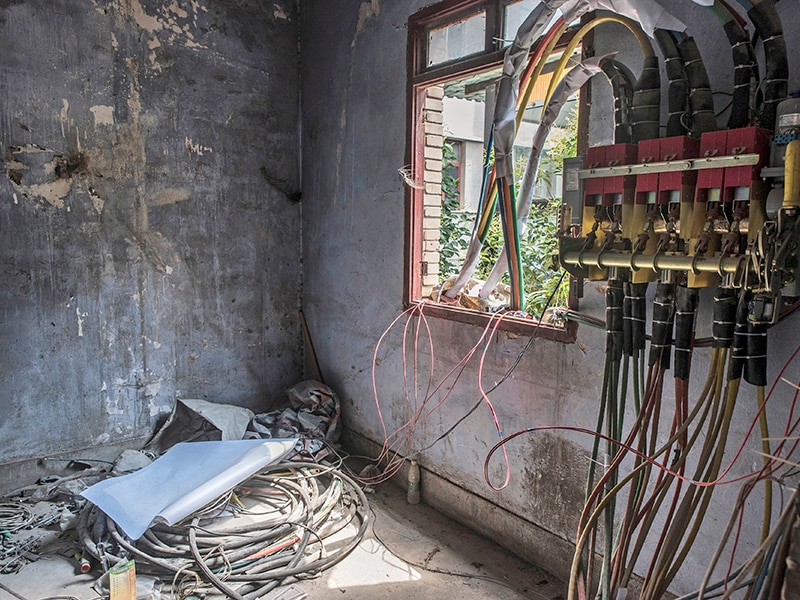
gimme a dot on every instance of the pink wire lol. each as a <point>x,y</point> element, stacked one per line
<point>493,411</point>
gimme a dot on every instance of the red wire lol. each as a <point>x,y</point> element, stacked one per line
<point>485,397</point>
<point>403,437</point>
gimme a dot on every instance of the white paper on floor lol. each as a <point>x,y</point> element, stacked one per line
<point>186,478</point>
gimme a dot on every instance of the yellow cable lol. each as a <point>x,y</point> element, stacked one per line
<point>633,26</point>
<point>525,96</point>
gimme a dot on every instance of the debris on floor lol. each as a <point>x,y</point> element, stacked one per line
<point>204,521</point>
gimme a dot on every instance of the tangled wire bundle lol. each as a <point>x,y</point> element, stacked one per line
<point>277,525</point>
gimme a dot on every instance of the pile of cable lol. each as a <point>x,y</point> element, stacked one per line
<point>288,521</point>
<point>13,517</point>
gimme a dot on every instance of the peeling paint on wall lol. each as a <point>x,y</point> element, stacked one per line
<point>198,149</point>
<point>103,115</point>
<point>42,176</point>
<point>173,22</point>
<point>280,13</point>
<point>106,212</point>
<point>169,196</point>
<point>367,11</point>
<point>81,316</point>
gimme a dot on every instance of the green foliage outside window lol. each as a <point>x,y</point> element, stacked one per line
<point>539,243</point>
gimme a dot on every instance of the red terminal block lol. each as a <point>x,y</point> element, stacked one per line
<point>593,187</point>
<point>615,188</point>
<point>748,140</point>
<point>677,148</point>
<point>712,143</point>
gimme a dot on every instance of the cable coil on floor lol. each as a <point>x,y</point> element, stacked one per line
<point>278,524</point>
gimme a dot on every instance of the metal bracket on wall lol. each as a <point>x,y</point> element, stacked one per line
<point>672,166</point>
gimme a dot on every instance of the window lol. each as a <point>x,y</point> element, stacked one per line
<point>456,53</point>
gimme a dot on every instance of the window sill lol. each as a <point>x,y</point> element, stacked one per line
<point>510,324</point>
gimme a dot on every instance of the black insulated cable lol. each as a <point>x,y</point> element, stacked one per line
<point>745,74</point>
<point>701,100</point>
<point>627,324</point>
<point>755,370</point>
<point>686,300</point>
<point>663,320</point>
<point>646,109</point>
<point>621,80</point>
<point>678,93</point>
<point>776,78</point>
<point>638,293</point>
<point>740,337</point>
<point>614,337</point>
<point>724,321</point>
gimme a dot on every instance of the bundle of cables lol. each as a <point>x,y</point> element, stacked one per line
<point>277,525</point>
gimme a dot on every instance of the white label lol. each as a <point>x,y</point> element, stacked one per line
<point>572,182</point>
<point>789,120</point>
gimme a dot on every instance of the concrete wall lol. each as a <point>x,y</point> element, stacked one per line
<point>354,134</point>
<point>149,228</point>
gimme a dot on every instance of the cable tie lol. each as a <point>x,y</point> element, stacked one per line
<point>500,433</point>
<point>742,43</point>
<point>774,37</point>
<point>692,61</point>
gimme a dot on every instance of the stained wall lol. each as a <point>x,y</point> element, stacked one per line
<point>354,115</point>
<point>149,215</point>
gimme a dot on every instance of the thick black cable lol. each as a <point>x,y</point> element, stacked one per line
<point>745,74</point>
<point>740,336</point>
<point>621,80</point>
<point>776,78</point>
<point>614,322</point>
<point>686,301</point>
<point>724,319</point>
<point>701,100</point>
<point>663,319</point>
<point>646,109</point>
<point>678,93</point>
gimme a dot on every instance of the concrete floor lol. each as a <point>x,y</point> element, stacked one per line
<point>411,552</point>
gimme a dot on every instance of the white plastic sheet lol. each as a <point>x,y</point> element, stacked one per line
<point>185,479</point>
<point>648,13</point>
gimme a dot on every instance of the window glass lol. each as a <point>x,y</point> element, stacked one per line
<point>457,40</point>
<point>515,14</point>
